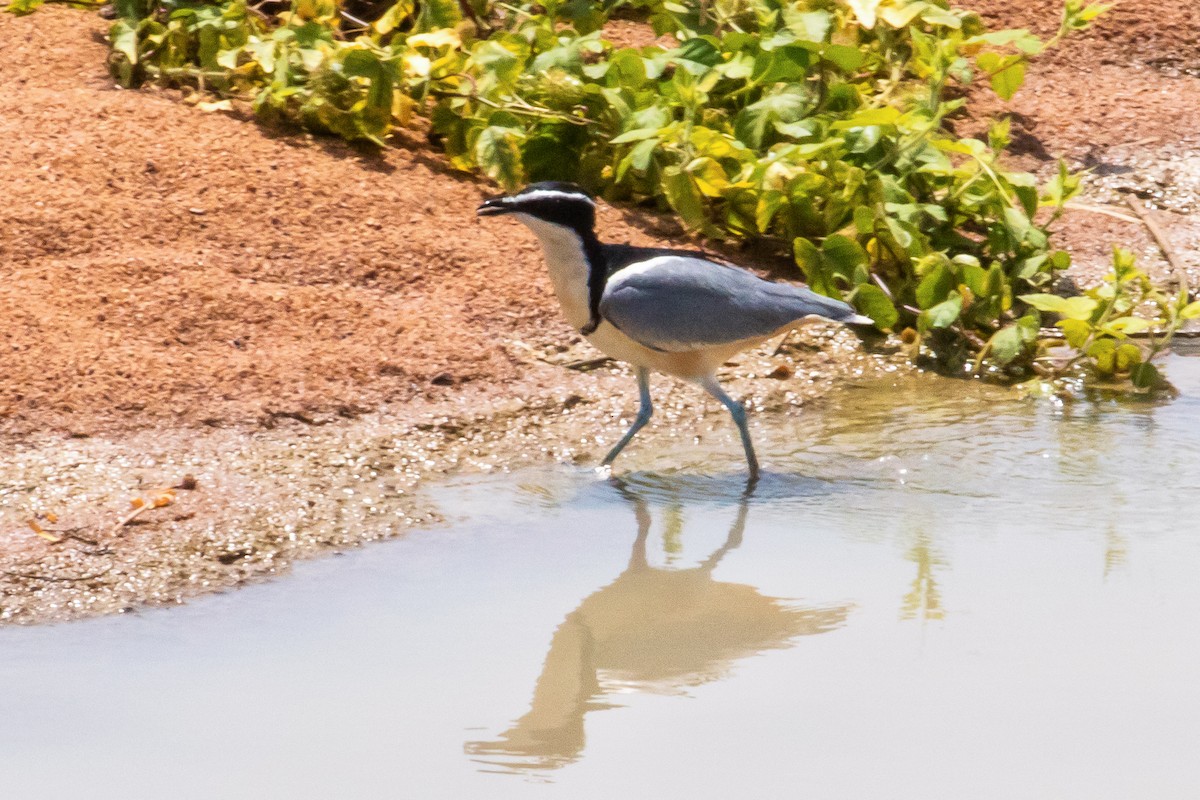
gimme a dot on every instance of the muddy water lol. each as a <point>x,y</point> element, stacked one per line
<point>961,595</point>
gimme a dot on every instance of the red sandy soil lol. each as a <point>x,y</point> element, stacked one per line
<point>170,266</point>
<point>165,265</point>
<point>1127,85</point>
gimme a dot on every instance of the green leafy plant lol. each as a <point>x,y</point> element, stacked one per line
<point>22,7</point>
<point>1104,342</point>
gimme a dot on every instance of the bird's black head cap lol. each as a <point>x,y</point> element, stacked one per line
<point>555,202</point>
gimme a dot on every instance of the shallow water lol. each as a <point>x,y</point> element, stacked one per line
<point>959,596</point>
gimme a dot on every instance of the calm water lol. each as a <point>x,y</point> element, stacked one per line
<point>968,597</point>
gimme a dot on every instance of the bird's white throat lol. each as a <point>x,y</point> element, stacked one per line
<point>567,264</point>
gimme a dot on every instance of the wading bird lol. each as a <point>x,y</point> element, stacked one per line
<point>662,310</point>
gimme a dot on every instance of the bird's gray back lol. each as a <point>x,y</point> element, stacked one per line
<point>678,303</point>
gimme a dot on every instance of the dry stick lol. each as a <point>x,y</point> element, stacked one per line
<point>58,578</point>
<point>1108,212</point>
<point>72,533</point>
<point>588,363</point>
<point>362,23</point>
<point>130,517</point>
<point>787,337</point>
<point>1160,237</point>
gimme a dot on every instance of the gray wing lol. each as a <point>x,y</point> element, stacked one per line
<point>676,304</point>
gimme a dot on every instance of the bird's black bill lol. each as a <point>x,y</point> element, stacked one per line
<point>492,208</point>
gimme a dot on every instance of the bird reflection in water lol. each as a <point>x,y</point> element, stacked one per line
<point>652,630</point>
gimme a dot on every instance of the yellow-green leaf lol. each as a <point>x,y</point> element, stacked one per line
<point>446,37</point>
<point>684,196</point>
<point>710,177</point>
<point>1128,355</point>
<point>498,152</point>
<point>1076,332</point>
<point>1045,302</point>
<point>1125,326</point>
<point>1006,73</point>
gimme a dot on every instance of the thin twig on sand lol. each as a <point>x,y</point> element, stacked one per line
<point>57,578</point>
<point>1106,211</point>
<point>1160,237</point>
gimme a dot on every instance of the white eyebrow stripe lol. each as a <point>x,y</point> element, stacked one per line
<point>553,194</point>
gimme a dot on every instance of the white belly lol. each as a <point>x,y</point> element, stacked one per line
<point>568,268</point>
<point>691,365</point>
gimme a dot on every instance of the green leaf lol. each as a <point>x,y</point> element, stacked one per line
<point>1006,344</point>
<point>940,16</point>
<point>709,176</point>
<point>1018,224</point>
<point>391,19</point>
<point>808,257</point>
<point>700,50</point>
<point>738,68</point>
<point>1006,73</point>
<point>1104,356</point>
<point>797,130</point>
<point>871,301</point>
<point>1125,326</point>
<point>22,7</point>
<point>135,10</point>
<point>642,155</point>
<point>684,196</point>
<point>635,135</point>
<point>844,57</point>
<point>812,264</point>
<point>498,153</point>
<point>1093,10</point>
<point>1062,187</point>
<point>753,122</point>
<point>1076,332</point>
<point>1190,311</point>
<point>365,64</point>
<point>1128,356</point>
<point>541,155</point>
<point>436,14</point>
<point>899,16</point>
<point>868,117</point>
<point>846,257</point>
<point>935,287</point>
<point>1045,302</point>
<point>941,315</point>
<point>627,69</point>
<point>123,36</point>
<point>1080,308</point>
<point>975,278</point>
<point>1146,376</point>
<point>785,65</point>
<point>499,63</point>
<point>768,205</point>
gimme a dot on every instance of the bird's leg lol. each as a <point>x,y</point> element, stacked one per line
<point>643,416</point>
<point>739,417</point>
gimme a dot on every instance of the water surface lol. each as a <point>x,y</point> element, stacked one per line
<point>937,591</point>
